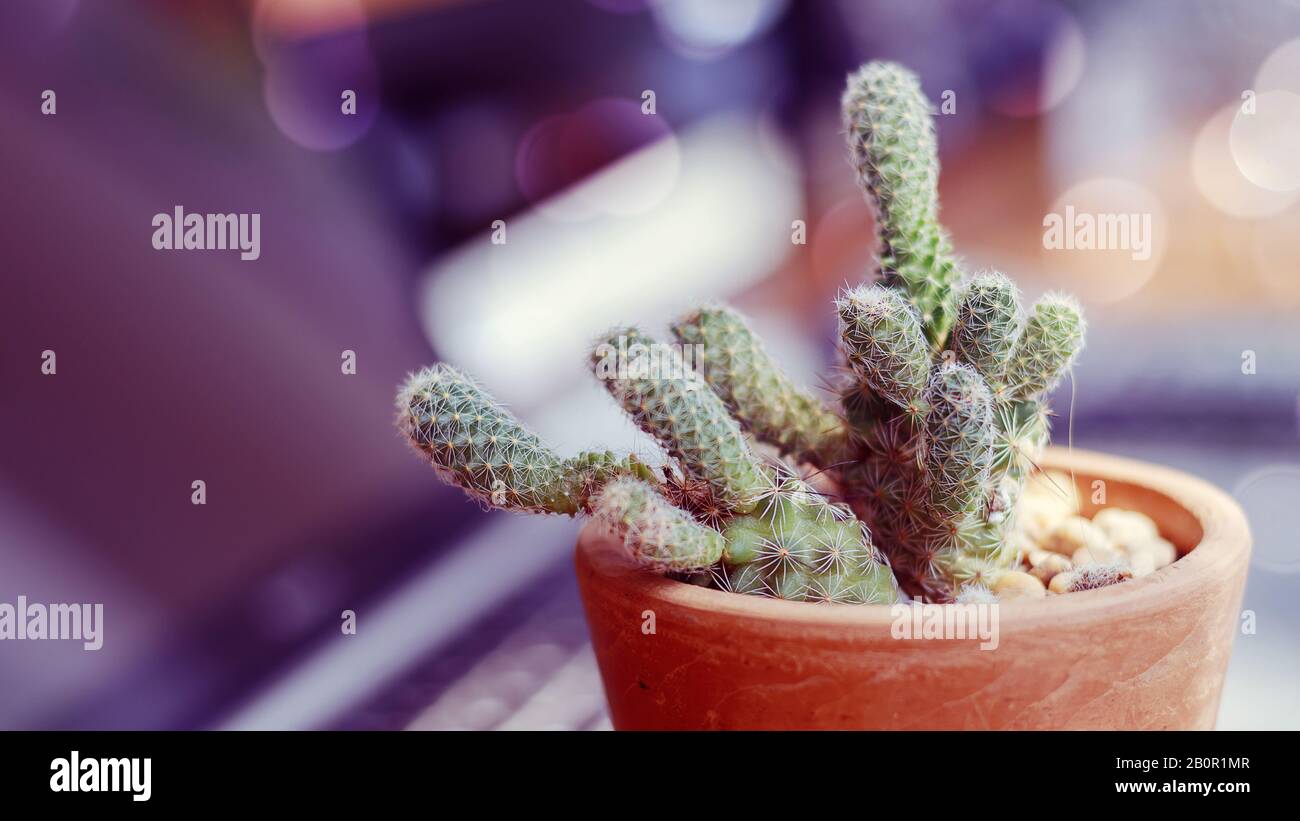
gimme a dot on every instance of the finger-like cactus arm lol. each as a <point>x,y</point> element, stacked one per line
<point>1047,346</point>
<point>479,446</point>
<point>881,335</point>
<point>959,439</point>
<point>758,393</point>
<point>988,319</point>
<point>892,142</point>
<point>686,417</point>
<point>654,532</point>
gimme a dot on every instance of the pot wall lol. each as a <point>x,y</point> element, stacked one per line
<point>1146,654</point>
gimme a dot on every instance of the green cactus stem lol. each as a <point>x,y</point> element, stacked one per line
<point>959,439</point>
<point>1052,337</point>
<point>479,446</point>
<point>757,392</point>
<point>988,319</point>
<point>656,534</point>
<point>798,546</point>
<point>883,343</point>
<point>679,409</point>
<point>893,147</point>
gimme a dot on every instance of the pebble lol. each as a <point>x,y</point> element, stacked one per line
<point>1015,584</point>
<point>1061,551</point>
<point>1142,563</point>
<point>1061,582</point>
<point>1073,533</point>
<point>1126,528</point>
<point>1162,552</point>
<point>1045,565</point>
<point>1047,499</point>
<point>1095,554</point>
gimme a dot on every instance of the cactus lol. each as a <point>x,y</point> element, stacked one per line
<point>478,445</point>
<point>882,342</point>
<point>654,532</point>
<point>1093,576</point>
<point>940,470</point>
<point>772,533</point>
<point>919,467</point>
<point>689,420</point>
<point>762,398</point>
<point>893,145</point>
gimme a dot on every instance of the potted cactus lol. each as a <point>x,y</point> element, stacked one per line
<point>759,577</point>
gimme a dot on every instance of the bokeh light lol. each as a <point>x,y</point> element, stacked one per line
<point>1281,70</point>
<point>1130,233</point>
<point>568,147</point>
<point>305,101</point>
<point>1219,179</point>
<point>1066,57</point>
<point>307,72</point>
<point>707,31</point>
<point>1265,141</point>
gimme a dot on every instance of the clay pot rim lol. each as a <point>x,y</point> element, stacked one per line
<point>1225,541</point>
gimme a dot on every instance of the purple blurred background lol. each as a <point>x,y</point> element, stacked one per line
<point>176,366</point>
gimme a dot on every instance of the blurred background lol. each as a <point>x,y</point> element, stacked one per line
<point>644,156</point>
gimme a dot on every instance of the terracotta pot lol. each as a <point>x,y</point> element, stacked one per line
<point>1146,654</point>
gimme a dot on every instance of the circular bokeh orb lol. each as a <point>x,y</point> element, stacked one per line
<point>543,168</point>
<point>1104,239</point>
<point>1221,182</point>
<point>1269,496</point>
<point>310,96</point>
<point>707,31</point>
<point>611,158</point>
<point>1265,140</point>
<point>1280,71</point>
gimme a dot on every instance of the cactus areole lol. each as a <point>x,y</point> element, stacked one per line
<point>927,443</point>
